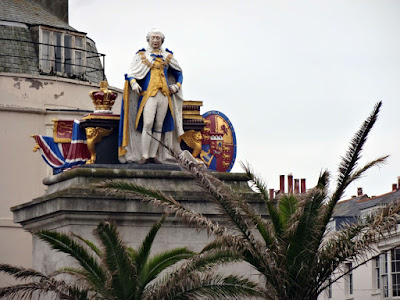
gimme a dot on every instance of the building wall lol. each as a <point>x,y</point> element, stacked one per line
<point>27,106</point>
<point>365,285</point>
<point>362,286</point>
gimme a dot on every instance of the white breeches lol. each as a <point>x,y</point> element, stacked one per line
<point>154,113</point>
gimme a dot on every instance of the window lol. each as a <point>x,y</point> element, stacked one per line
<point>57,51</point>
<point>377,273</point>
<point>395,271</point>
<point>68,54</point>
<point>61,52</point>
<point>78,55</point>
<point>349,279</point>
<point>45,47</point>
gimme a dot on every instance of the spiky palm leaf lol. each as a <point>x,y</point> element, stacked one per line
<point>42,285</point>
<point>95,274</point>
<point>294,254</point>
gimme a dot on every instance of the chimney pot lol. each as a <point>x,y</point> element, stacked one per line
<point>271,194</point>
<point>360,191</point>
<point>290,183</point>
<point>282,184</point>
<point>296,186</point>
<point>303,185</point>
<point>394,187</point>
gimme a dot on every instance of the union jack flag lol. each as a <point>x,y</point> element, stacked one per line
<point>62,156</point>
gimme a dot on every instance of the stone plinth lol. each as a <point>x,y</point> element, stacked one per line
<point>71,203</point>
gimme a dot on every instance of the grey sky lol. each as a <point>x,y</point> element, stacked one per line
<point>296,78</point>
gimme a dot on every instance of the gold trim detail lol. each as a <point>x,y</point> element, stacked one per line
<point>99,117</point>
<point>179,84</point>
<point>192,102</point>
<point>95,135</point>
<point>195,117</point>
<point>125,132</point>
<point>191,112</point>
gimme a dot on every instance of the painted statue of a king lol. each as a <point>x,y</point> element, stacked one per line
<point>152,105</point>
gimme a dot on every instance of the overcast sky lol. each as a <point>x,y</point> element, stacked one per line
<point>295,78</point>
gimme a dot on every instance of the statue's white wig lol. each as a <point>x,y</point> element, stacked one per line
<point>155,31</point>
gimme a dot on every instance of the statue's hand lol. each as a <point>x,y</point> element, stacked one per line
<point>174,88</point>
<point>136,87</point>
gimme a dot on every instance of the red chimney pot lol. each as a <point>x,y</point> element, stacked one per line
<point>282,184</point>
<point>290,183</point>
<point>271,194</point>
<point>296,186</point>
<point>303,185</point>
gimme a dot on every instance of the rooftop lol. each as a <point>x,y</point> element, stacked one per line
<point>30,13</point>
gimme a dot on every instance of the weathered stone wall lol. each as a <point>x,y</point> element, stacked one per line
<point>73,204</point>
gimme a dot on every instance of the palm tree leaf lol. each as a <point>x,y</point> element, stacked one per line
<point>377,162</point>
<point>121,186</point>
<point>21,272</point>
<point>63,243</point>
<point>268,236</point>
<point>132,253</point>
<point>160,199</point>
<point>162,261</point>
<point>143,252</point>
<point>88,243</point>
<point>205,285</point>
<point>117,260</point>
<point>44,287</point>
<point>239,213</point>
<point>287,207</point>
<point>350,160</point>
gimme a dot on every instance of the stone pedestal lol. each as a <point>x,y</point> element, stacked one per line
<point>71,203</point>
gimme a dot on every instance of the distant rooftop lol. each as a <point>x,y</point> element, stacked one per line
<point>30,13</point>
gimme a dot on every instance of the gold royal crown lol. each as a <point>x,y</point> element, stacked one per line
<point>103,99</point>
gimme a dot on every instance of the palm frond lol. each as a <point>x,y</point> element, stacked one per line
<point>377,162</point>
<point>350,160</point>
<point>46,286</point>
<point>63,243</point>
<point>21,272</point>
<point>162,261</point>
<point>117,260</point>
<point>143,252</point>
<point>164,201</point>
<point>206,285</point>
<point>268,235</point>
<point>90,244</point>
<point>119,186</point>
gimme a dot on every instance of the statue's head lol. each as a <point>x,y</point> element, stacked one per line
<point>155,38</point>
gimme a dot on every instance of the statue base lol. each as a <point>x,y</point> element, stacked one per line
<point>72,203</point>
